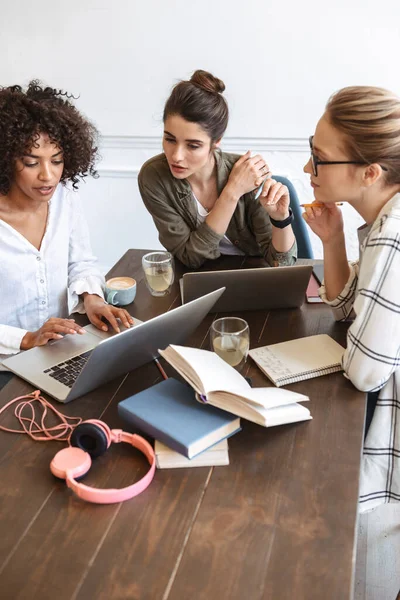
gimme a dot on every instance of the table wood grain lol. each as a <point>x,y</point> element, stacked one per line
<point>278,523</point>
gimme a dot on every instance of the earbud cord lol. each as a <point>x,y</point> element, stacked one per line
<point>31,427</point>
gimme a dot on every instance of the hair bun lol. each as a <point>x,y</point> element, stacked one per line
<point>207,82</point>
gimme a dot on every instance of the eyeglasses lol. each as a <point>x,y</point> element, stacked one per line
<point>315,160</point>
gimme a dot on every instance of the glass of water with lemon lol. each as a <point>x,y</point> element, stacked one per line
<point>158,268</point>
<point>230,339</point>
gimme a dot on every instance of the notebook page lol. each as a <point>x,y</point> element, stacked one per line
<point>267,417</point>
<point>213,372</point>
<point>296,357</point>
<point>160,448</point>
<point>307,375</point>
<point>267,397</point>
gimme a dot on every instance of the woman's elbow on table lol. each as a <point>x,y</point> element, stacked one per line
<point>192,261</point>
<point>370,380</point>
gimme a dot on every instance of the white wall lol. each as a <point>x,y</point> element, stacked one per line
<point>280,62</point>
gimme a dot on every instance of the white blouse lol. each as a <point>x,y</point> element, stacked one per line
<point>36,285</point>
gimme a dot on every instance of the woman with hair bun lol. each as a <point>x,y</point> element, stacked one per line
<point>355,158</point>
<point>202,200</point>
<point>47,269</point>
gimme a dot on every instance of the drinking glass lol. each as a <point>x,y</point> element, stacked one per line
<point>159,272</point>
<point>230,339</point>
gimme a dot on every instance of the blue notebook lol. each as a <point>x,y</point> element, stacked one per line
<point>169,412</point>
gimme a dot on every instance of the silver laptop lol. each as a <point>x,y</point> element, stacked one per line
<point>250,289</point>
<point>77,364</point>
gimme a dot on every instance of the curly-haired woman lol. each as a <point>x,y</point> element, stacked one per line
<point>47,269</point>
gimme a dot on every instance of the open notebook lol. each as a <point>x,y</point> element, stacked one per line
<point>218,384</point>
<point>299,359</point>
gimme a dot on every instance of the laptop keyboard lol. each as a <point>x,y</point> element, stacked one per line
<point>66,372</point>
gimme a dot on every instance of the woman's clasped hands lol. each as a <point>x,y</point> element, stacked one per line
<point>248,173</point>
<point>275,199</point>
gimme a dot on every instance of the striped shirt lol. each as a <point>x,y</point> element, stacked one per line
<point>372,357</point>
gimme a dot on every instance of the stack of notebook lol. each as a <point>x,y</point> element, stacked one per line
<point>166,458</point>
<point>186,432</point>
<point>192,421</point>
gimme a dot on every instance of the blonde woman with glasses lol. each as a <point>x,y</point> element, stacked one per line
<point>355,158</point>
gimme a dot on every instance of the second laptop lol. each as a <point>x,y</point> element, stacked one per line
<point>250,289</point>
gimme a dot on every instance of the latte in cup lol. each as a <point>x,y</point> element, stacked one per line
<point>120,283</point>
<point>120,291</point>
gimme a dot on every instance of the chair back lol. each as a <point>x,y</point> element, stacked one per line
<point>304,249</point>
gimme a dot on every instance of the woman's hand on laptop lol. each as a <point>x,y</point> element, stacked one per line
<point>53,329</point>
<point>97,309</point>
<point>275,199</point>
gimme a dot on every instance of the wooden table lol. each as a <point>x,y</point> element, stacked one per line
<point>278,523</point>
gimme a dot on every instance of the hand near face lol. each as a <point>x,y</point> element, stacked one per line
<point>326,222</point>
<point>275,199</point>
<point>247,174</point>
<point>96,309</point>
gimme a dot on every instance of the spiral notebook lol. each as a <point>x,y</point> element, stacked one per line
<point>299,359</point>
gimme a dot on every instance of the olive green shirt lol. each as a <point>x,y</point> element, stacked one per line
<point>171,203</point>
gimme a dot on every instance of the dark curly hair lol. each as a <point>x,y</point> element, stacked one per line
<point>25,115</point>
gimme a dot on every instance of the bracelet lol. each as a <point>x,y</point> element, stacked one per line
<point>284,223</point>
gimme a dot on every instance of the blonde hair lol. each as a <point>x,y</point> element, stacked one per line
<point>370,119</point>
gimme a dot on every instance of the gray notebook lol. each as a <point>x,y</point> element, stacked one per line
<point>170,413</point>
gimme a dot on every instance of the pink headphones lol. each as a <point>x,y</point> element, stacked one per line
<point>89,440</point>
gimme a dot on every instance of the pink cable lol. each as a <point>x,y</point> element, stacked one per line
<point>31,427</point>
